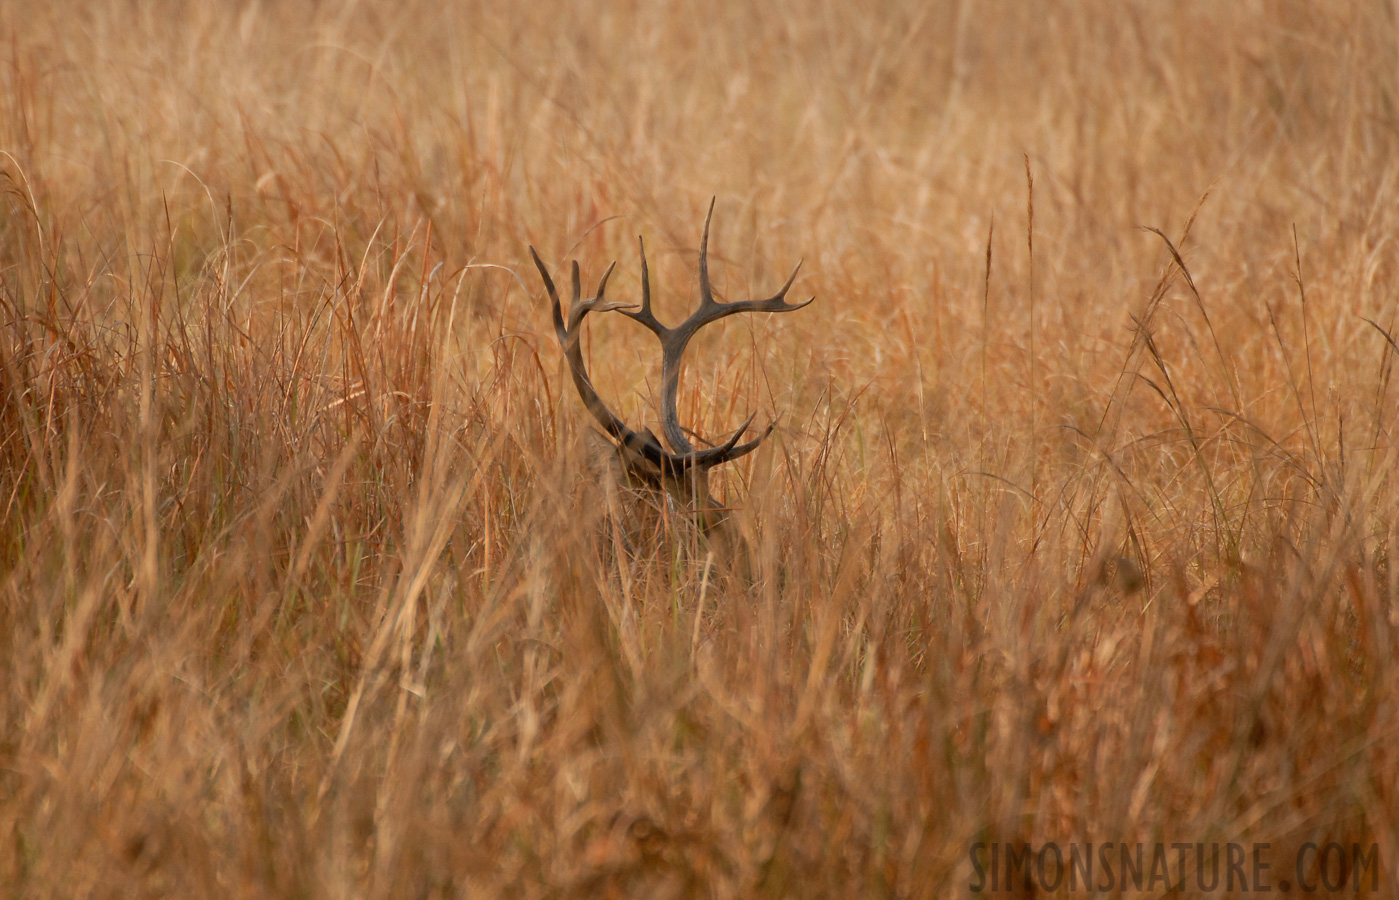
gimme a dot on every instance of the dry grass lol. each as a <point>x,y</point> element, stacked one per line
<point>303,587</point>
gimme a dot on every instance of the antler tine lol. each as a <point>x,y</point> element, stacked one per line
<point>731,449</point>
<point>644,314</point>
<point>576,312</point>
<point>602,284</point>
<point>560,329</point>
<point>598,302</point>
<point>706,292</point>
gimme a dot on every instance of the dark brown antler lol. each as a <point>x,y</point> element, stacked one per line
<point>682,461</point>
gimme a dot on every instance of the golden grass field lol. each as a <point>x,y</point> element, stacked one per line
<point>1070,530</point>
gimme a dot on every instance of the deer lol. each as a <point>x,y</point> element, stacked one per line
<point>678,468</point>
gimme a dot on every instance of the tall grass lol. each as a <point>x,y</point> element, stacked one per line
<point>306,586</point>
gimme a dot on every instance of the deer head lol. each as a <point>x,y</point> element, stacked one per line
<point>681,469</point>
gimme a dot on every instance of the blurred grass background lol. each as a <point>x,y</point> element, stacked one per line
<point>1070,530</point>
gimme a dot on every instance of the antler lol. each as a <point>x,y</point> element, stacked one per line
<point>682,458</point>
